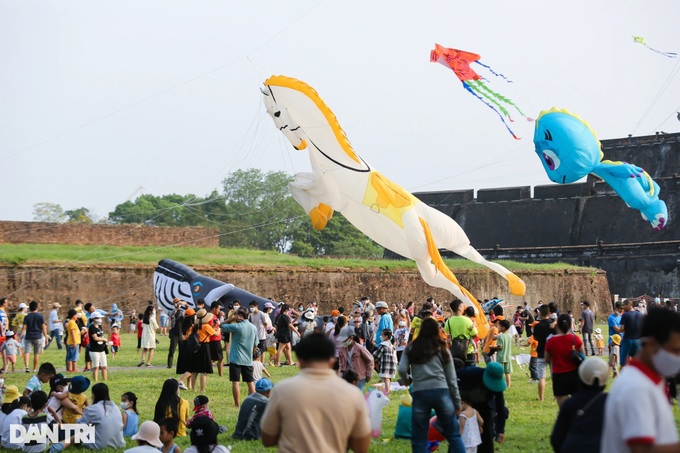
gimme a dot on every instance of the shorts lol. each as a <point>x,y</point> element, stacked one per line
<point>566,383</point>
<point>262,346</point>
<point>114,348</point>
<point>139,342</point>
<point>540,368</point>
<point>34,346</point>
<point>215,351</point>
<point>12,358</point>
<point>507,367</point>
<point>236,372</point>
<point>72,353</point>
<point>164,321</point>
<point>98,359</point>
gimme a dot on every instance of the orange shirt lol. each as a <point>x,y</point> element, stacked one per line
<point>534,344</point>
<point>490,341</point>
<point>205,332</point>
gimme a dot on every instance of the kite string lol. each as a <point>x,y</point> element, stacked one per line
<point>673,72</point>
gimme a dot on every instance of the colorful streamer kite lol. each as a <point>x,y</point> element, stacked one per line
<point>459,62</point>
<point>641,40</point>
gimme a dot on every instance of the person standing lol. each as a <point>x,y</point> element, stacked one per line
<point>149,328</point>
<point>631,327</point>
<point>262,324</point>
<point>352,356</point>
<point>427,365</point>
<point>56,326</point>
<point>4,326</point>
<point>461,328</point>
<point>559,353</point>
<point>587,324</point>
<point>97,347</point>
<point>34,334</point>
<point>176,317</point>
<point>542,331</point>
<point>614,320</point>
<point>72,341</point>
<point>216,339</point>
<point>200,361</point>
<point>243,343</point>
<point>385,322</point>
<point>638,414</point>
<point>335,416</point>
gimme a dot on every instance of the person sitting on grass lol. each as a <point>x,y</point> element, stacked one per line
<point>250,413</point>
<point>204,437</point>
<point>19,407</point>
<point>75,400</point>
<point>148,438</point>
<point>167,436</point>
<point>169,404</point>
<point>201,409</point>
<point>106,418</point>
<point>58,391</point>
<point>128,404</point>
<point>45,373</point>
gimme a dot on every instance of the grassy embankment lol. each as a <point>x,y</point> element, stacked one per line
<point>18,254</point>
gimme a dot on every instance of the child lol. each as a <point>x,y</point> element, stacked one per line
<point>10,348</point>
<point>504,345</point>
<point>133,321</point>
<point>140,318</point>
<point>85,343</point>
<point>148,438</point>
<point>45,373</point>
<point>599,341</point>
<point>58,392</point>
<point>614,355</point>
<point>75,400</point>
<point>114,339</point>
<point>270,343</point>
<point>36,419</point>
<point>470,426</point>
<point>258,367</point>
<point>168,434</point>
<point>128,404</point>
<point>401,337</point>
<point>15,413</point>
<point>533,361</point>
<point>201,409</point>
<point>385,359</point>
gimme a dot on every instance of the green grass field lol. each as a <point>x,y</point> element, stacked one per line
<point>528,429</point>
<point>18,254</point>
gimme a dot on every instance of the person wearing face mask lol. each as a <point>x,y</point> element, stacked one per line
<point>353,356</point>
<point>16,412</point>
<point>97,347</point>
<point>262,324</point>
<point>638,413</point>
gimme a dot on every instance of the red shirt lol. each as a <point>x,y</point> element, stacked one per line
<point>115,339</point>
<point>215,323</point>
<point>559,347</point>
<point>139,329</point>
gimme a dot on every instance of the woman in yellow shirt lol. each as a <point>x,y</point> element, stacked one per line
<point>170,405</point>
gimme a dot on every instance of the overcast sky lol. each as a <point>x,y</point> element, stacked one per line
<point>103,101</point>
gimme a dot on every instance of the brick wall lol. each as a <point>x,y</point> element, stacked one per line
<point>119,235</point>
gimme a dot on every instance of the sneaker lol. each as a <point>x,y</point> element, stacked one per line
<point>183,386</point>
<point>27,370</point>
<point>140,364</point>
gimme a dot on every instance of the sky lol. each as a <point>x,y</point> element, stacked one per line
<point>101,102</point>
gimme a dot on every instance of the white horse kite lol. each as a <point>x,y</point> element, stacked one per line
<point>342,181</point>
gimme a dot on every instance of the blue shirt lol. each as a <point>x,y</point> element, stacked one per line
<point>385,323</point>
<point>614,320</point>
<point>242,343</point>
<point>132,423</point>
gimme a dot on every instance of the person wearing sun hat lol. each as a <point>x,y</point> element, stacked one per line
<point>486,387</point>
<point>200,362</point>
<point>11,393</point>
<point>614,354</point>
<point>148,438</point>
<point>76,394</point>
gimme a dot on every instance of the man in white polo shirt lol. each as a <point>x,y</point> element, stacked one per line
<point>638,413</point>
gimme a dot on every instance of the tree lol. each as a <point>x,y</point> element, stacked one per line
<point>80,215</point>
<point>48,212</point>
<point>170,210</point>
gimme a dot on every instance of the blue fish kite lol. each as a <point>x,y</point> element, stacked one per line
<point>569,150</point>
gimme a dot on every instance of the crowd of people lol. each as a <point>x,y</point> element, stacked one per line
<point>450,365</point>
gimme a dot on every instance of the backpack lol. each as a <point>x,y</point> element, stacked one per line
<point>193,344</point>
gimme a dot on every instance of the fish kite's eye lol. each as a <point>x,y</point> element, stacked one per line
<point>551,159</point>
<point>548,135</point>
<point>277,114</point>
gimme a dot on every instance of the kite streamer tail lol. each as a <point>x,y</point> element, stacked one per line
<point>492,107</point>
<point>478,86</point>
<point>497,74</point>
<point>665,54</point>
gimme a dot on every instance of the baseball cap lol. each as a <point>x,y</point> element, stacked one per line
<point>263,385</point>
<point>22,306</point>
<point>199,401</point>
<point>381,304</point>
<point>189,312</point>
<point>335,313</point>
<point>594,368</point>
<point>56,305</point>
<point>95,315</point>
<point>58,379</point>
<point>268,305</point>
